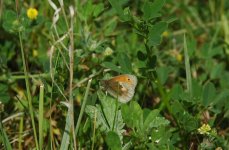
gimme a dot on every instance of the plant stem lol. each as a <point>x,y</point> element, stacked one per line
<point>29,97</point>
<point>71,70</point>
<point>16,77</point>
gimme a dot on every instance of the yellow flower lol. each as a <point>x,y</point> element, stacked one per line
<point>35,53</point>
<point>204,129</point>
<point>179,57</point>
<point>32,13</point>
<point>165,34</point>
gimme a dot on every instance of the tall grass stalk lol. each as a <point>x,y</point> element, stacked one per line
<point>71,69</point>
<point>83,107</point>
<point>41,115</point>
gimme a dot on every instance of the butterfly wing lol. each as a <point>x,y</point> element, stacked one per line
<point>130,89</point>
<point>121,87</point>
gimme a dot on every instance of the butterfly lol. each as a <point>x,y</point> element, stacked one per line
<point>121,87</point>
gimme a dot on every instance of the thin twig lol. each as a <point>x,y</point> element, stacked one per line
<point>12,117</point>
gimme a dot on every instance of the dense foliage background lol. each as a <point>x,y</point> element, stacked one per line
<point>51,64</point>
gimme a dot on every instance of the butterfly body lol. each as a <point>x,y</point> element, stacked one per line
<point>121,87</point>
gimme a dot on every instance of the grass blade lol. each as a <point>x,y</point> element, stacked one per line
<point>83,107</point>
<point>4,137</point>
<point>187,68</point>
<point>20,133</point>
<point>66,137</point>
<point>41,113</point>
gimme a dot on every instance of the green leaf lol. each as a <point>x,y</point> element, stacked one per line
<point>117,5</point>
<point>152,61</point>
<point>197,90</point>
<point>132,115</point>
<point>141,56</point>
<point>109,27</point>
<point>189,122</point>
<point>150,117</point>
<point>10,21</point>
<point>191,45</point>
<point>216,71</point>
<point>153,120</point>
<point>113,67</point>
<point>160,136</point>
<point>221,96</point>
<point>209,93</point>
<point>113,141</point>
<point>88,9</point>
<point>96,112</point>
<point>105,115</point>
<point>124,62</point>
<point>61,26</point>
<point>176,91</point>
<point>162,74</point>
<point>4,98</point>
<point>186,120</point>
<point>154,36</point>
<point>150,10</point>
<point>98,9</point>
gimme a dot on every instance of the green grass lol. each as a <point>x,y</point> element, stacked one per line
<point>51,68</point>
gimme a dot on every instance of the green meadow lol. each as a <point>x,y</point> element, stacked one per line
<point>114,75</point>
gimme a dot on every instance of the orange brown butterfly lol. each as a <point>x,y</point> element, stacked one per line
<point>121,87</point>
